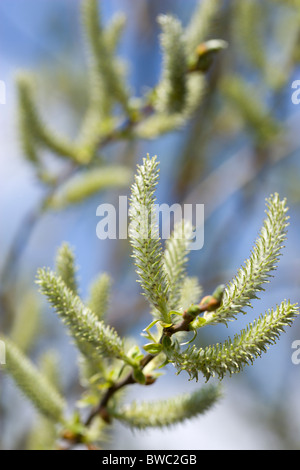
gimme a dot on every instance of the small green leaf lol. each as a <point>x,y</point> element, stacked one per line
<point>135,353</point>
<point>87,401</point>
<point>198,323</point>
<point>166,325</point>
<point>149,336</point>
<point>164,364</point>
<point>191,340</point>
<point>139,376</point>
<point>153,348</point>
<point>205,53</point>
<point>88,183</point>
<point>151,325</point>
<point>166,342</point>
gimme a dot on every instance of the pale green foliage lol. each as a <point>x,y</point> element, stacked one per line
<point>65,267</point>
<point>196,90</point>
<point>161,122</point>
<point>34,132</point>
<point>106,360</point>
<point>232,355</point>
<point>89,183</point>
<point>107,88</point>
<point>33,384</point>
<point>258,268</point>
<point>179,92</point>
<point>190,293</point>
<point>158,124</point>
<point>252,38</point>
<point>293,3</point>
<point>175,261</point>
<point>100,295</point>
<point>172,102</point>
<point>91,362</point>
<point>110,86</point>
<point>253,111</point>
<point>174,301</point>
<point>201,23</point>
<point>247,29</point>
<point>144,238</point>
<point>49,366</point>
<point>92,337</point>
<point>26,323</point>
<point>27,119</point>
<point>106,84</point>
<point>100,101</point>
<point>166,413</point>
<point>44,434</point>
<point>114,31</point>
<point>171,92</point>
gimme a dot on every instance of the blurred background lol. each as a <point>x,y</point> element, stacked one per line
<point>242,145</point>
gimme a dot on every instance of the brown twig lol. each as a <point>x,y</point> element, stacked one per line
<point>101,409</point>
<point>208,303</point>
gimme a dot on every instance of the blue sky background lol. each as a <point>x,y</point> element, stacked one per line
<point>45,37</point>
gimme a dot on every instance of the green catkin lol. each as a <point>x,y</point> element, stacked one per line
<point>35,386</point>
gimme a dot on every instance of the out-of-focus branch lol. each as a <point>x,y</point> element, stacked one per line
<point>238,170</point>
